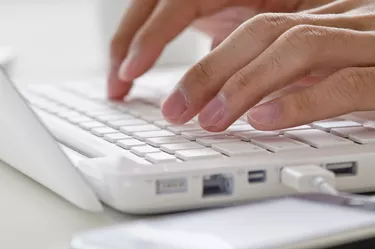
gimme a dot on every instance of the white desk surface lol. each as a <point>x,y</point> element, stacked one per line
<point>33,217</point>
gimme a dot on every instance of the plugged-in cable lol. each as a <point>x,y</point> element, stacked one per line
<point>309,179</point>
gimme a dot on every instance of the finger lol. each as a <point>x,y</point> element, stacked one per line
<point>348,90</point>
<point>168,20</point>
<point>203,81</point>
<point>291,57</point>
<point>332,7</point>
<point>137,14</point>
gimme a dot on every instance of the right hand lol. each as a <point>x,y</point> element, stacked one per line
<point>149,25</point>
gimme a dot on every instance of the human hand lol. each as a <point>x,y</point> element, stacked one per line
<point>272,51</point>
<point>149,25</point>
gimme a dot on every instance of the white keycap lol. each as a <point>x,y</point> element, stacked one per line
<point>143,150</point>
<point>112,117</point>
<point>117,124</point>
<point>152,118</point>
<point>247,136</point>
<point>346,131</point>
<point>79,119</point>
<point>365,136</point>
<point>158,141</point>
<point>114,137</point>
<point>129,143</point>
<point>240,128</point>
<point>91,125</point>
<point>240,122</point>
<point>69,114</point>
<point>327,125</point>
<point>301,127</point>
<point>95,113</point>
<point>101,131</point>
<point>129,130</point>
<point>149,134</point>
<point>208,141</point>
<point>162,123</point>
<point>178,129</point>
<point>172,148</point>
<point>279,143</point>
<point>196,154</point>
<point>192,135</point>
<point>238,149</point>
<point>318,138</point>
<point>161,157</point>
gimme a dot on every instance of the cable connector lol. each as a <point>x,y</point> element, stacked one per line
<point>309,179</point>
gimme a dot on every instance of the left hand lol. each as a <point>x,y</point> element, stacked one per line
<point>272,51</point>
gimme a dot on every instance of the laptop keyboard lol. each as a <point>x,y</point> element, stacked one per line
<point>138,126</point>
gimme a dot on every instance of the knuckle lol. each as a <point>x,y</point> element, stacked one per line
<point>304,41</point>
<point>302,102</point>
<point>354,85</point>
<point>262,24</point>
<point>202,72</point>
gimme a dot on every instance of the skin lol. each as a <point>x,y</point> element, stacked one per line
<point>301,44</point>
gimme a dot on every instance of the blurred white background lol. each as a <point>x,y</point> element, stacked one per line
<point>55,40</point>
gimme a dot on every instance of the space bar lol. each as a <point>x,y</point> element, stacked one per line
<point>81,141</point>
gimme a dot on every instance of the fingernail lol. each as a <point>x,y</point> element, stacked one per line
<point>175,105</point>
<point>265,114</point>
<point>213,113</point>
<point>127,67</point>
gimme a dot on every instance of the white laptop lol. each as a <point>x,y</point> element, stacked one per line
<point>91,151</point>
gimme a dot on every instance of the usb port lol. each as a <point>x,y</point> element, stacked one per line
<point>343,168</point>
<point>171,186</point>
<point>256,176</point>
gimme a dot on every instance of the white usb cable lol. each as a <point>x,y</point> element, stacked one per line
<point>309,179</point>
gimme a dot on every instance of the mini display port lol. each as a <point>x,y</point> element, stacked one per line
<point>217,184</point>
<point>256,176</point>
<point>343,168</point>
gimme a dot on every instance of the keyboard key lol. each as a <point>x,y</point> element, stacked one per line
<point>192,135</point>
<point>161,157</point>
<point>172,148</point>
<point>197,154</point>
<point>158,141</point>
<point>318,138</point>
<point>365,136</point>
<point>208,141</point>
<point>69,114</point>
<point>149,134</point>
<point>346,131</point>
<point>327,125</point>
<point>114,137</point>
<point>178,129</point>
<point>91,125</point>
<point>279,143</point>
<point>129,143</point>
<point>143,150</point>
<point>79,119</point>
<point>113,117</point>
<point>240,128</point>
<point>101,131</point>
<point>301,127</point>
<point>164,123</point>
<point>129,130</point>
<point>238,149</point>
<point>117,124</point>
<point>95,113</point>
<point>247,136</point>
<point>152,118</point>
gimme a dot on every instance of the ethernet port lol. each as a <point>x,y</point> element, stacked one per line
<point>218,184</point>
